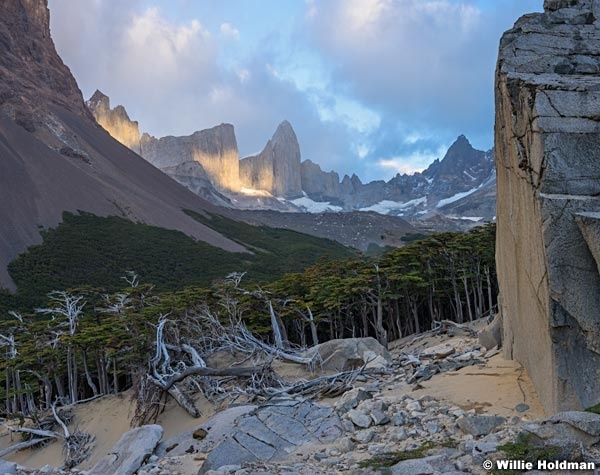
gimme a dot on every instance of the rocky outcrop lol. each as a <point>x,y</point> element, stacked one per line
<point>32,75</point>
<point>115,121</point>
<point>130,452</point>
<point>277,168</point>
<point>215,149</point>
<point>56,158</point>
<point>319,185</point>
<point>547,140</point>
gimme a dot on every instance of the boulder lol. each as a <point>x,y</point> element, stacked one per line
<point>270,432</point>
<point>479,425</point>
<point>130,452</point>
<point>547,151</point>
<point>351,353</point>
<point>490,336</point>
<point>351,399</point>
<point>423,466</point>
<point>206,436</point>
<point>8,468</point>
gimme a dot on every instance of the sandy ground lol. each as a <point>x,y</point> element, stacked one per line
<point>496,388</point>
<point>107,418</point>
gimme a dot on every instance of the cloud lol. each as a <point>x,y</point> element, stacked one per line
<point>410,163</point>
<point>425,62</point>
<point>228,31</point>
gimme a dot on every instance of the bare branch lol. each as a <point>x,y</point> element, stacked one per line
<point>23,445</point>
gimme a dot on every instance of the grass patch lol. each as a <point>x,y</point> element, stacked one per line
<point>389,459</point>
<point>523,449</point>
<point>594,409</point>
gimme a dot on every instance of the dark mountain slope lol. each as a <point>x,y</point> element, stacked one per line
<point>55,158</point>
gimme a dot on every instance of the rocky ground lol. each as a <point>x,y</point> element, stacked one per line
<point>407,419</point>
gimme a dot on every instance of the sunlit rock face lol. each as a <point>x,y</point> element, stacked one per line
<point>215,149</point>
<point>547,139</point>
<point>115,121</point>
<point>277,168</point>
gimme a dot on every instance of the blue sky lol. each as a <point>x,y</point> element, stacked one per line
<point>372,87</point>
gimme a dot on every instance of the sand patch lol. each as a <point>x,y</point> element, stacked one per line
<point>498,387</point>
<point>107,419</point>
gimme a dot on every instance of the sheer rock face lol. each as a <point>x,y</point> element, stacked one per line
<point>215,149</point>
<point>320,185</point>
<point>277,168</point>
<point>547,141</point>
<point>115,121</point>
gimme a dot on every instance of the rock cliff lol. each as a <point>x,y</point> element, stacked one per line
<point>277,168</point>
<point>322,186</point>
<point>115,121</point>
<point>215,149</point>
<point>547,139</point>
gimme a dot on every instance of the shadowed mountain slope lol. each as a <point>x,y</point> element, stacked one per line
<point>55,158</point>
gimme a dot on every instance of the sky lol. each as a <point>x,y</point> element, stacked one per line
<point>372,87</point>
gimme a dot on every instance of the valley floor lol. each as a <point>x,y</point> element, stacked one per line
<point>443,397</point>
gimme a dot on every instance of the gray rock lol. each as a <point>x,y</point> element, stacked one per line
<point>359,419</point>
<point>521,407</point>
<point>364,436</point>
<point>270,432</point>
<point>482,449</point>
<point>130,452</point>
<point>399,419</point>
<point>414,406</point>
<point>490,336</point>
<point>424,466</point>
<point>379,417</point>
<point>398,435</point>
<point>349,353</point>
<point>345,444</point>
<point>351,399</point>
<point>8,468</point>
<point>548,167</point>
<point>479,425</point>
<point>217,429</point>
<point>587,422</point>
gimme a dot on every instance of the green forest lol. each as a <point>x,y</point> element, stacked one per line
<point>86,316</point>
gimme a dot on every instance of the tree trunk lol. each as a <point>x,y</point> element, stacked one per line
<point>464,279</point>
<point>115,376</point>
<point>313,328</point>
<point>88,376</point>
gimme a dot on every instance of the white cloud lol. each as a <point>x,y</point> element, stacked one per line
<point>410,163</point>
<point>229,31</point>
<point>157,53</point>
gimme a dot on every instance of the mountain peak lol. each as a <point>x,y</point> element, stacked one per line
<point>285,131</point>
<point>98,102</point>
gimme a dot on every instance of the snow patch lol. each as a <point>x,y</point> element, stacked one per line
<point>312,206</point>
<point>387,206</point>
<point>475,219</point>
<point>456,197</point>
